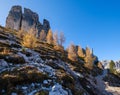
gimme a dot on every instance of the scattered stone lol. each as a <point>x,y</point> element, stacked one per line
<point>24,88</point>
<point>45,82</point>
<point>58,90</point>
<point>3,63</point>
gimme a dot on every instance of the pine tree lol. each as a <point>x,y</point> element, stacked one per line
<point>88,51</point>
<point>112,66</point>
<point>80,52</point>
<point>49,37</point>
<point>89,59</point>
<point>29,39</point>
<point>72,53</point>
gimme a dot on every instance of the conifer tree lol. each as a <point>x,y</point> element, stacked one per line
<point>72,53</point>
<point>112,66</point>
<point>29,39</point>
<point>89,59</point>
<point>80,52</point>
<point>49,37</point>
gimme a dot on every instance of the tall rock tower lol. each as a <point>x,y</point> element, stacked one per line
<point>14,18</point>
<point>29,20</point>
<point>26,20</point>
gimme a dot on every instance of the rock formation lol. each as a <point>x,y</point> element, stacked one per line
<point>25,21</point>
<point>46,25</point>
<point>29,20</point>
<point>13,20</point>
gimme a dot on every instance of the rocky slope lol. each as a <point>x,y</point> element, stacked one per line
<point>42,70</point>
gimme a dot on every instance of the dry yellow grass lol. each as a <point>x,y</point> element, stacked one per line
<point>5,51</point>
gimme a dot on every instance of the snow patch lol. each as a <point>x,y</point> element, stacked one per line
<point>58,90</point>
<point>79,75</point>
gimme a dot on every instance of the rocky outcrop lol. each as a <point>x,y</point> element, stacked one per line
<point>29,20</point>
<point>46,25</point>
<point>25,21</point>
<point>13,20</point>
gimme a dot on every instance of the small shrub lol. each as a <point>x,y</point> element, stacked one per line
<point>59,48</point>
<point>21,33</point>
<point>5,51</point>
<point>68,82</point>
<point>42,92</point>
<point>89,65</point>
<point>23,49</point>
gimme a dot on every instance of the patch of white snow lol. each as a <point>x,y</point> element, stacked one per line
<point>58,90</point>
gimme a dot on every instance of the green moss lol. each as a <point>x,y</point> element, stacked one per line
<point>42,92</point>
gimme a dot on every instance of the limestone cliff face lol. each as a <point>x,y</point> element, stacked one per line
<point>25,21</point>
<point>14,18</point>
<point>29,20</point>
<point>46,25</point>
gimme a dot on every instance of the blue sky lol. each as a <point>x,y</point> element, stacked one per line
<point>93,23</point>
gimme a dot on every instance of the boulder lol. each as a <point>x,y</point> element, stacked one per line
<point>3,63</point>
